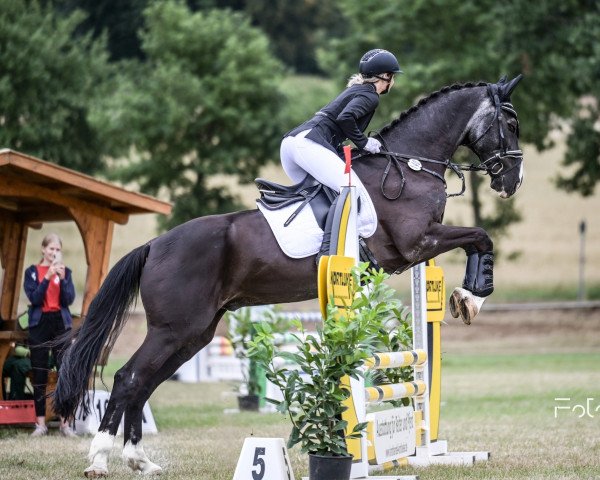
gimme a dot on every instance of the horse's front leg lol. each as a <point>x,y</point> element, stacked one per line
<point>478,282</point>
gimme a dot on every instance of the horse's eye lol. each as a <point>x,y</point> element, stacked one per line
<point>512,128</point>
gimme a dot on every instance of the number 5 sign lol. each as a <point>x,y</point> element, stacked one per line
<point>263,459</point>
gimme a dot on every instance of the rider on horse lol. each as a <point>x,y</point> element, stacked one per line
<point>315,147</point>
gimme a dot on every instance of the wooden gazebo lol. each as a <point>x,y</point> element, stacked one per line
<point>33,192</point>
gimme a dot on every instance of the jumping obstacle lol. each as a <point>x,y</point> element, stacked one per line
<point>405,435</point>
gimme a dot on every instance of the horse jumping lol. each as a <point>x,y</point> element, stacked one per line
<point>191,275</point>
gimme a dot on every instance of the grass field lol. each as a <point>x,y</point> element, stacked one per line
<point>501,378</point>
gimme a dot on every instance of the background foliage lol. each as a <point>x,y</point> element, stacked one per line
<point>48,84</point>
<point>199,105</point>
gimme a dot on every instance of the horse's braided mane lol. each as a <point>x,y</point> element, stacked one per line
<point>427,99</point>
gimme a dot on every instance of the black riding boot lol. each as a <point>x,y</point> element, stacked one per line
<point>325,245</point>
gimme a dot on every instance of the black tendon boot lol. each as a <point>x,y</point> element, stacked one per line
<point>326,243</point>
<point>479,277</point>
<point>471,271</point>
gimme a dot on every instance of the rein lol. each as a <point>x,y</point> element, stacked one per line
<point>415,163</point>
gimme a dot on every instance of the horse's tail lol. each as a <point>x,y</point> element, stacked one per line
<point>97,335</point>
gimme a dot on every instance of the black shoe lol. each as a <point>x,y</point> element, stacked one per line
<point>326,243</point>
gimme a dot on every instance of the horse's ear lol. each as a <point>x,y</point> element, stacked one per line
<point>507,88</point>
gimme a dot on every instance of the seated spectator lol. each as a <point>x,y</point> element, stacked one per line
<point>16,367</point>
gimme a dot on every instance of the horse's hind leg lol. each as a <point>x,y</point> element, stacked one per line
<point>133,454</point>
<point>104,440</point>
<point>155,351</point>
<point>147,378</point>
<point>98,455</point>
<point>133,451</point>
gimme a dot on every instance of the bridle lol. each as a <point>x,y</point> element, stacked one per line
<point>494,165</point>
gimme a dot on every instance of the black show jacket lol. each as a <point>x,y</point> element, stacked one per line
<point>346,117</point>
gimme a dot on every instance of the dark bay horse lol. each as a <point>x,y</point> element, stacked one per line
<point>190,276</point>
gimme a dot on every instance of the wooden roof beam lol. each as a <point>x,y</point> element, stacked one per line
<point>145,203</point>
<point>16,188</point>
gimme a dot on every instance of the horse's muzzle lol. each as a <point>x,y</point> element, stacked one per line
<point>506,172</point>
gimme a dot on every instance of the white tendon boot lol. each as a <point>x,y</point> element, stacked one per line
<point>465,304</point>
<point>99,451</point>
<point>136,459</point>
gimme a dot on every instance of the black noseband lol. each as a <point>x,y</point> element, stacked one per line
<point>495,164</point>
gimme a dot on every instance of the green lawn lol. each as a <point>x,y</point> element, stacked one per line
<point>504,404</point>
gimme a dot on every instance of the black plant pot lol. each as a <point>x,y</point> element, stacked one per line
<point>321,467</point>
<point>248,402</point>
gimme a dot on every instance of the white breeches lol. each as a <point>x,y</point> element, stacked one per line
<point>300,156</point>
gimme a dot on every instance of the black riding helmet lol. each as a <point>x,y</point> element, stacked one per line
<point>378,61</point>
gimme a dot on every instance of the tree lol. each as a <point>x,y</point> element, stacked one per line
<point>295,28</point>
<point>554,43</point>
<point>583,152</point>
<point>48,83</point>
<point>205,102</point>
<point>120,20</point>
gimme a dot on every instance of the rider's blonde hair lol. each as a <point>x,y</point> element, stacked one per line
<point>358,79</point>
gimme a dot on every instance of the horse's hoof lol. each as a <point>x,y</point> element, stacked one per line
<point>95,472</point>
<point>468,310</point>
<point>153,469</point>
<point>136,459</point>
<point>454,301</point>
<point>463,304</point>
<point>466,304</point>
<point>145,468</point>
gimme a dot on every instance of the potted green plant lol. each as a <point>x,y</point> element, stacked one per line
<point>312,391</point>
<point>240,330</point>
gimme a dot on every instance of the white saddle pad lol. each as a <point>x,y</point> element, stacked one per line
<point>302,238</point>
